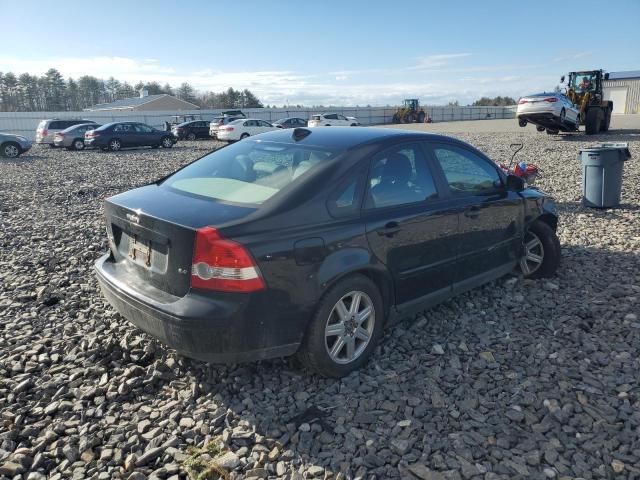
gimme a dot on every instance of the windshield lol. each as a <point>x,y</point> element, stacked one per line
<point>248,172</point>
<point>582,82</point>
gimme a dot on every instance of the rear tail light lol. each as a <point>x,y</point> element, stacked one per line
<point>45,132</point>
<point>227,129</point>
<point>551,100</point>
<point>522,101</point>
<point>223,265</point>
<point>91,134</point>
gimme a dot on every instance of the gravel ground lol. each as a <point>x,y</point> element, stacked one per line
<point>518,379</point>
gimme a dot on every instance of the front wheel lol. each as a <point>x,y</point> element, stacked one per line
<point>191,136</point>
<point>10,150</point>
<point>167,142</point>
<point>345,328</point>
<point>522,122</point>
<point>78,144</point>
<point>541,255</point>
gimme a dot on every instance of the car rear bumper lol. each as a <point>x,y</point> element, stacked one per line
<point>220,330</point>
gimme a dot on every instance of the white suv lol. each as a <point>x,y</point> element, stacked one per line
<point>332,120</point>
<point>47,129</point>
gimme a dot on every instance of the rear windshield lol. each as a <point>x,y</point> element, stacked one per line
<point>315,117</point>
<point>248,172</point>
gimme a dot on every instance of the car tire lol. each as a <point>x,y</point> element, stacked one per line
<point>10,150</point>
<point>522,122</point>
<point>540,128</point>
<point>166,142</point>
<point>421,117</point>
<point>78,144</point>
<point>327,125</point>
<point>541,256</point>
<point>115,145</point>
<point>354,124</point>
<point>191,137</point>
<point>337,344</point>
<point>563,116</point>
<point>244,135</point>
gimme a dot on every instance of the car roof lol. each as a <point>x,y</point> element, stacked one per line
<point>72,127</point>
<point>348,137</point>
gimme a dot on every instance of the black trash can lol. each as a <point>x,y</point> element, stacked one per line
<point>602,167</point>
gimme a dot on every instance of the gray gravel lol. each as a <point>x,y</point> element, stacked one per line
<point>518,379</point>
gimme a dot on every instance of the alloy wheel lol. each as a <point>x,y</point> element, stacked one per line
<point>167,143</point>
<point>350,326</point>
<point>533,254</point>
<point>114,145</point>
<point>11,151</point>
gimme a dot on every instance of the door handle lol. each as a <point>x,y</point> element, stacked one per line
<point>389,230</point>
<point>472,212</point>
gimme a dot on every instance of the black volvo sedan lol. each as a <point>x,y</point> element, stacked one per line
<point>313,240</point>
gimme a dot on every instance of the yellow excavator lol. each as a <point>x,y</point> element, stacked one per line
<point>584,89</point>
<point>410,112</point>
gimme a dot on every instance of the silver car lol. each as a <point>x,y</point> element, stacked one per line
<point>72,138</point>
<point>12,146</point>
<point>552,112</point>
<point>48,128</point>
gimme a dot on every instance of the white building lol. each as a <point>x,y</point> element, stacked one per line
<point>623,89</point>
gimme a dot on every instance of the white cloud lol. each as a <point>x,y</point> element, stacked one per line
<point>375,86</point>
<point>435,61</point>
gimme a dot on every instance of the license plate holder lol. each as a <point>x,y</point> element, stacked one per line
<point>140,248</point>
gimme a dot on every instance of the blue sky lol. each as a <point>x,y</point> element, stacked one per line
<point>325,51</point>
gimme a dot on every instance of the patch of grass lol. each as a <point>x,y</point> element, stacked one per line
<point>201,462</point>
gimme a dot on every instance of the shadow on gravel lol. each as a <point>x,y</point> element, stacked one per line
<point>511,378</point>
<point>611,136</point>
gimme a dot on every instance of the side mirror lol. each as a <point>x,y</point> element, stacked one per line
<point>562,79</point>
<point>606,76</point>
<point>515,183</point>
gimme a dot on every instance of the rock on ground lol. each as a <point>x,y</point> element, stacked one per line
<point>526,378</point>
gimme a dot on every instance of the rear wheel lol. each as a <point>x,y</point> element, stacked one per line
<point>540,128</point>
<point>191,136</point>
<point>593,121</point>
<point>115,145</point>
<point>345,328</point>
<point>396,118</point>
<point>522,122</point>
<point>10,150</point>
<point>78,144</point>
<point>244,135</point>
<point>541,255</point>
<point>166,142</point>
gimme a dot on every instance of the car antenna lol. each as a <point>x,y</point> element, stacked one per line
<point>300,133</point>
<point>519,146</point>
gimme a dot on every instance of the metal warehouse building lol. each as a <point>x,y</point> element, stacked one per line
<point>623,89</point>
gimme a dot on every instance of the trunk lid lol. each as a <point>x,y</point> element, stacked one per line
<point>152,233</point>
